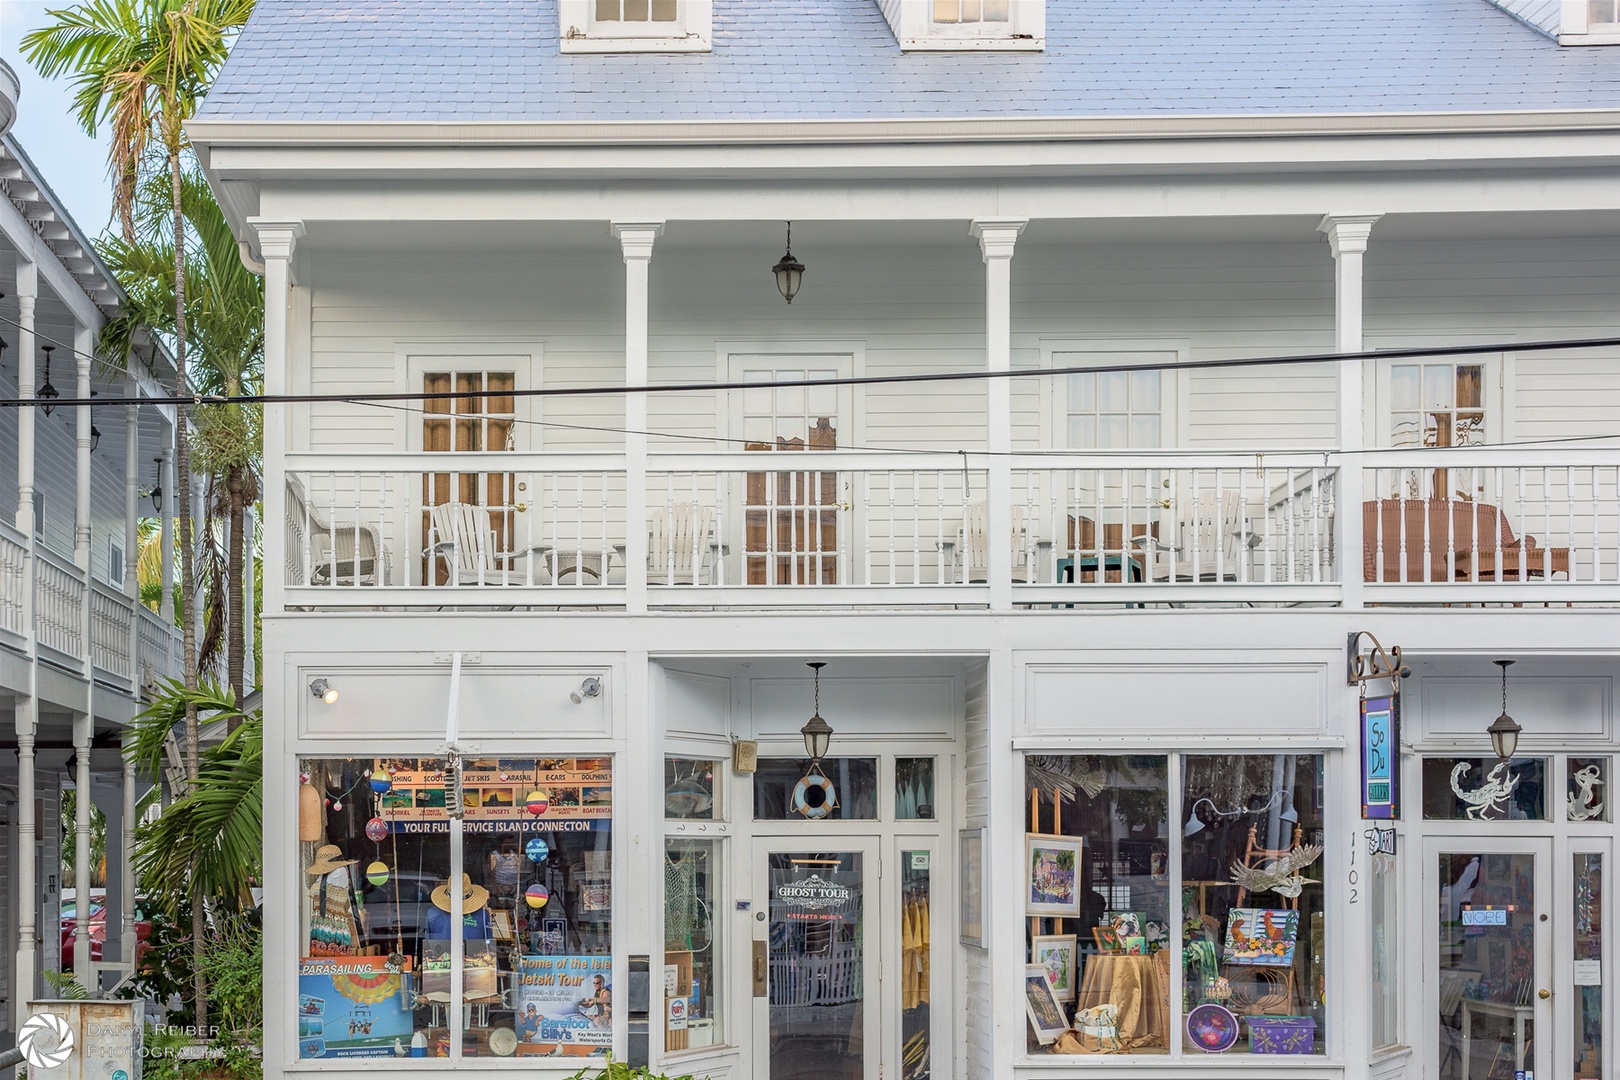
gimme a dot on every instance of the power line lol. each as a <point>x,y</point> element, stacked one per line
<point>857,380</point>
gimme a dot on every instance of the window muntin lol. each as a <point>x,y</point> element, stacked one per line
<point>379,912</point>
<point>1603,14</point>
<point>636,11</point>
<point>1115,410</point>
<point>971,11</point>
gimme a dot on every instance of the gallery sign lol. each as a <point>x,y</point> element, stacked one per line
<point>1380,758</point>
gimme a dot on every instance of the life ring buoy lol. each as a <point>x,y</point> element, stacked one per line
<point>814,796</point>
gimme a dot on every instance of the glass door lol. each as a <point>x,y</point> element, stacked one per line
<point>815,965</point>
<point>1488,941</point>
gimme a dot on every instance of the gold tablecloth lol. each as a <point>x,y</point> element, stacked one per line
<point>1138,988</point>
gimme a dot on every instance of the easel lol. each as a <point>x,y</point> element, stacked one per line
<point>1057,830</point>
<point>1255,856</point>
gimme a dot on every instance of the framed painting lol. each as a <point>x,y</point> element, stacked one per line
<point>1126,923</point>
<point>1261,937</point>
<point>1046,1016</point>
<point>1055,953</point>
<point>1107,941</point>
<point>973,886</point>
<point>1052,875</point>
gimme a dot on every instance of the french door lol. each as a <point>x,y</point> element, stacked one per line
<point>815,968</point>
<point>1490,1000</point>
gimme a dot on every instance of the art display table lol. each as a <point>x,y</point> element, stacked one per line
<point>1137,987</point>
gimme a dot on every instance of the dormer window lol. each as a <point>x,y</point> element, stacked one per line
<point>967,25</point>
<point>1589,22</point>
<point>604,26</point>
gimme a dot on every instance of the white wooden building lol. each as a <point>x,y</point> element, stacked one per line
<point>77,650</point>
<point>1084,577</point>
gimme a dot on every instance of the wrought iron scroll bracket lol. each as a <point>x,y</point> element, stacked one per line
<point>1377,663</point>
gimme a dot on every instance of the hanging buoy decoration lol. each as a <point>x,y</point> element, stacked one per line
<point>537,801</point>
<point>376,830</point>
<point>536,849</point>
<point>381,781</point>
<point>536,896</point>
<point>814,796</point>
<point>377,873</point>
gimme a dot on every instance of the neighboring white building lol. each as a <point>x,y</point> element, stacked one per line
<point>1109,607</point>
<point>77,651</point>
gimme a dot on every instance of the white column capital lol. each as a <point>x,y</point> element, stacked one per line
<point>636,237</point>
<point>997,236</point>
<point>27,279</point>
<point>1347,233</point>
<point>277,236</point>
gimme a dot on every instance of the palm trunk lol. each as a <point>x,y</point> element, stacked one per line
<point>234,599</point>
<point>188,587</point>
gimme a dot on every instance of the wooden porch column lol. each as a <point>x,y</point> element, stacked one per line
<point>997,237</point>
<point>84,342</point>
<point>636,242</point>
<point>277,240</point>
<point>84,725</point>
<point>1347,238</point>
<point>132,492</point>
<point>25,977</point>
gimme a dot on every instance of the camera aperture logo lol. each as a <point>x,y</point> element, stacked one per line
<point>46,1041</point>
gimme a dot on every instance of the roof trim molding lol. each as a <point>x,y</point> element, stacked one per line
<point>990,129</point>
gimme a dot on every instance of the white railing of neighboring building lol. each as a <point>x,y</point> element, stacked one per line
<point>111,624</point>
<point>13,551</point>
<point>58,604</point>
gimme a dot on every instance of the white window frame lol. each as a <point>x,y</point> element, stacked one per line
<point>847,358</point>
<point>1576,28</point>
<point>579,30</point>
<point>416,359</point>
<point>1024,30</point>
<point>1070,352</point>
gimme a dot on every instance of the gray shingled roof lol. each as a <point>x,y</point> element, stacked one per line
<point>498,60</point>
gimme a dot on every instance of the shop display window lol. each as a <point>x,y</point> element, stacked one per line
<point>835,789</point>
<point>914,789</point>
<point>1102,901</point>
<point>692,952</point>
<point>1484,789</point>
<point>1588,966</point>
<point>1098,899</point>
<point>1588,787</point>
<point>379,963</point>
<point>1383,959</point>
<point>691,790</point>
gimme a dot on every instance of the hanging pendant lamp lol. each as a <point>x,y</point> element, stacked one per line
<point>788,270</point>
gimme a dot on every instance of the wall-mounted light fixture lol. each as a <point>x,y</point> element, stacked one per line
<point>1504,731</point>
<point>788,270</point>
<point>46,392</point>
<point>156,492</point>
<point>324,690</point>
<point>590,688</point>
<point>816,731</point>
<point>95,437</point>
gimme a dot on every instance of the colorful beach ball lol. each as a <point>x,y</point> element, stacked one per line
<point>536,895</point>
<point>377,873</point>
<point>381,781</point>
<point>537,849</point>
<point>376,830</point>
<point>537,801</point>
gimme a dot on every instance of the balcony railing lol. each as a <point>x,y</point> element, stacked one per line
<point>849,527</point>
<point>116,622</point>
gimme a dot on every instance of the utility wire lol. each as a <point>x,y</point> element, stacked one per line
<point>858,380</point>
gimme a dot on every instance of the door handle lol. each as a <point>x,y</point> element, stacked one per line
<point>761,981</point>
<point>1543,994</point>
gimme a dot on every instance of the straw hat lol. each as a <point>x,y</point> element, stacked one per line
<point>473,897</point>
<point>327,859</point>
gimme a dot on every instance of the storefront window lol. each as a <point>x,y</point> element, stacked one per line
<point>839,789</point>
<point>1588,966</point>
<point>1252,901</point>
<point>1098,901</point>
<point>916,982</point>
<point>914,789</point>
<point>1484,789</point>
<point>1588,782</point>
<point>532,898</point>
<point>1384,948</point>
<point>692,996</point>
<point>690,792</point>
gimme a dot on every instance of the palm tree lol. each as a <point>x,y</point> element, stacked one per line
<point>142,66</point>
<point>225,322</point>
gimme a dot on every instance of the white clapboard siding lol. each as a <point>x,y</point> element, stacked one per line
<point>920,309</point>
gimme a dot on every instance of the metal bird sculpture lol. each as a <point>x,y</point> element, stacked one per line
<point>1281,876</point>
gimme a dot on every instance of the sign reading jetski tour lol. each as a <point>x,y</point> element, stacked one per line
<point>501,795</point>
<point>817,896</point>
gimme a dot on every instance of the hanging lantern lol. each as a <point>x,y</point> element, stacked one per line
<point>376,830</point>
<point>381,781</point>
<point>537,849</point>
<point>788,270</point>
<point>377,873</point>
<point>537,801</point>
<point>1504,730</point>
<point>536,896</point>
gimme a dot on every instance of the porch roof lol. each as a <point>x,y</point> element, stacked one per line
<point>498,61</point>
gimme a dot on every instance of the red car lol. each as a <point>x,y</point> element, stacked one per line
<point>98,927</point>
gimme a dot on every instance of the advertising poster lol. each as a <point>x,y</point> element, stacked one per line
<point>564,1003</point>
<point>578,796</point>
<point>351,1007</point>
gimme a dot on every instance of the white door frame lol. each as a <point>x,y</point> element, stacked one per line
<point>1488,838</point>
<point>875,917</point>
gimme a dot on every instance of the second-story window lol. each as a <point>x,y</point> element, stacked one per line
<point>467,425</point>
<point>1604,14</point>
<point>971,11</point>
<point>1115,410</point>
<point>636,11</point>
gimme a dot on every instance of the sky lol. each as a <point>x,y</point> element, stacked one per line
<point>72,163</point>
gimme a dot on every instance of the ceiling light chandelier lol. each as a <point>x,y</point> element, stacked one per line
<point>788,270</point>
